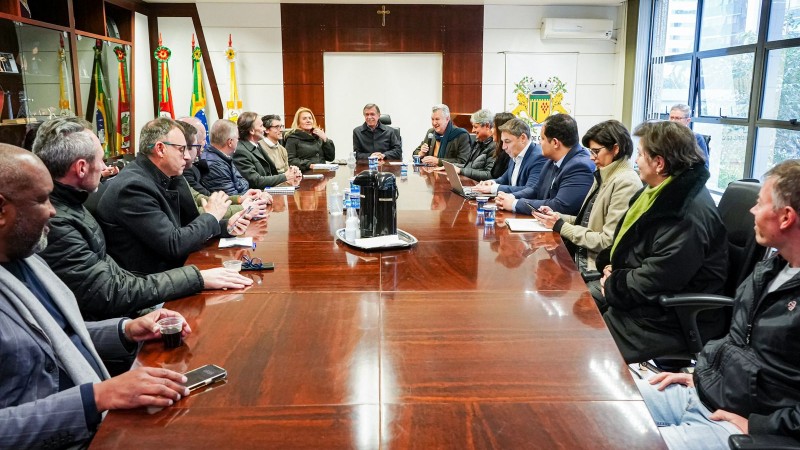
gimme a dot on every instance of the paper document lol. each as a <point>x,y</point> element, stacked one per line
<point>380,241</point>
<point>313,176</point>
<point>236,242</point>
<point>526,225</point>
<point>281,190</point>
<point>396,163</point>
<point>325,166</point>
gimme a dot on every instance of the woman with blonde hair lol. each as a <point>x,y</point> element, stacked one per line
<point>306,143</point>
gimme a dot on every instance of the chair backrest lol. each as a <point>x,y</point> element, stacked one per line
<point>743,250</point>
<point>385,119</point>
<point>706,138</point>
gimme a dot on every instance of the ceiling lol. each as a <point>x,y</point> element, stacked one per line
<point>416,2</point>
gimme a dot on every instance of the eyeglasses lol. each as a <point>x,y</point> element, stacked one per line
<point>676,118</point>
<point>280,127</point>
<point>596,151</point>
<point>180,148</point>
<point>197,147</point>
<point>249,263</point>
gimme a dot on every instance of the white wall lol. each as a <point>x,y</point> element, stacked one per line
<point>256,30</point>
<point>516,29</point>
<point>142,89</point>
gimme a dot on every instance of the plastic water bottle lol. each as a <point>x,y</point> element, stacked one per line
<point>351,161</point>
<point>334,199</point>
<point>352,226</point>
<point>346,199</point>
<point>404,171</point>
<point>355,197</point>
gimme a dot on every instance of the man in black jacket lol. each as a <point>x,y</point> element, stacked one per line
<point>76,249</point>
<point>147,212</point>
<point>748,381</point>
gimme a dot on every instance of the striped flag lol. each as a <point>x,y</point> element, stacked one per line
<point>124,109</point>
<point>64,82</point>
<point>197,108</point>
<point>102,115</point>
<point>234,103</point>
<point>162,55</point>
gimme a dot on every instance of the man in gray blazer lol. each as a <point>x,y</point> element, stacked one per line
<point>53,385</point>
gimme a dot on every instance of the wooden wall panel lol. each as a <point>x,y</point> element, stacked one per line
<point>309,30</point>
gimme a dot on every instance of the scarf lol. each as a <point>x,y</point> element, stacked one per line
<point>639,207</point>
<point>450,132</point>
<point>34,313</point>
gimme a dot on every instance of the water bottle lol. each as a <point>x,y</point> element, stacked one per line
<point>351,161</point>
<point>404,171</point>
<point>346,199</point>
<point>352,226</point>
<point>355,196</point>
<point>334,199</point>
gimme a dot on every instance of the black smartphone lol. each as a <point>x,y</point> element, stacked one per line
<point>203,376</point>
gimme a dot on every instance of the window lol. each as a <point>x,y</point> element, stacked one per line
<point>739,72</point>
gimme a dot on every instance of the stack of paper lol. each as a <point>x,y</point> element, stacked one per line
<point>236,242</point>
<point>526,225</point>
<point>281,190</point>
<point>380,241</point>
<point>324,166</point>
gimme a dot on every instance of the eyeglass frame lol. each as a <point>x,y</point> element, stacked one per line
<point>176,146</point>
<point>596,151</point>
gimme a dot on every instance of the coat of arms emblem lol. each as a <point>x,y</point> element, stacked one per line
<point>537,100</point>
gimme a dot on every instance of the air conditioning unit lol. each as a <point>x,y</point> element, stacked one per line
<point>577,28</point>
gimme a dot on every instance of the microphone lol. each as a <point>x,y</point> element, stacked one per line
<point>431,144</point>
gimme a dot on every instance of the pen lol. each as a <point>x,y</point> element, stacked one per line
<point>233,225</point>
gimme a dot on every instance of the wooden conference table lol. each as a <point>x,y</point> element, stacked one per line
<point>474,338</point>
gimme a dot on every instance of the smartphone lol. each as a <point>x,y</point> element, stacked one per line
<point>203,376</point>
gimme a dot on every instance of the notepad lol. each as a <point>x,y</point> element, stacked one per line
<point>380,241</point>
<point>324,166</point>
<point>396,163</point>
<point>281,190</point>
<point>526,225</point>
<point>313,176</point>
<point>236,242</point>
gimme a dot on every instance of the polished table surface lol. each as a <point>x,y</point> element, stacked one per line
<point>474,338</point>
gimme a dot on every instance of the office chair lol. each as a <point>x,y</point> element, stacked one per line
<point>707,138</point>
<point>743,254</point>
<point>386,119</point>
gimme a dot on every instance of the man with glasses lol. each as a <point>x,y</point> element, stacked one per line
<point>76,249</point>
<point>148,214</point>
<point>376,139</point>
<point>197,167</point>
<point>271,144</point>
<point>252,160</point>
<point>481,158</point>
<point>683,114</point>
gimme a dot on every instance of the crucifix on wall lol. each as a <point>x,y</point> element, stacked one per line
<point>383,12</point>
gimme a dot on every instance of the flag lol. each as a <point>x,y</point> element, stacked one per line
<point>97,93</point>
<point>64,82</point>
<point>197,108</point>
<point>162,55</point>
<point>234,104</point>
<point>124,109</point>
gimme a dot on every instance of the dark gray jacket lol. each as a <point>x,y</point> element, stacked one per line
<point>754,371</point>
<point>76,252</point>
<point>255,166</point>
<point>481,161</point>
<point>222,174</point>
<point>305,149</point>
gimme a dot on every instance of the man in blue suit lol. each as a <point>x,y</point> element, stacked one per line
<point>526,162</point>
<point>53,384</point>
<point>681,113</point>
<point>566,176</point>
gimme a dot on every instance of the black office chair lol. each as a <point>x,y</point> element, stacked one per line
<point>387,120</point>
<point>743,254</point>
<point>707,138</point>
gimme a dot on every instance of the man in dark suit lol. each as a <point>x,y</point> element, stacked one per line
<point>566,176</point>
<point>253,163</point>
<point>53,384</point>
<point>376,139</point>
<point>526,162</point>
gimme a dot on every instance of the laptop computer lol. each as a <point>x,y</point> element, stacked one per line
<point>457,187</point>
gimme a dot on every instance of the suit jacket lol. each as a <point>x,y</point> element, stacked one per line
<point>33,413</point>
<point>456,149</point>
<point>531,167</point>
<point>150,221</point>
<point>255,166</point>
<point>564,189</point>
<point>383,139</point>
